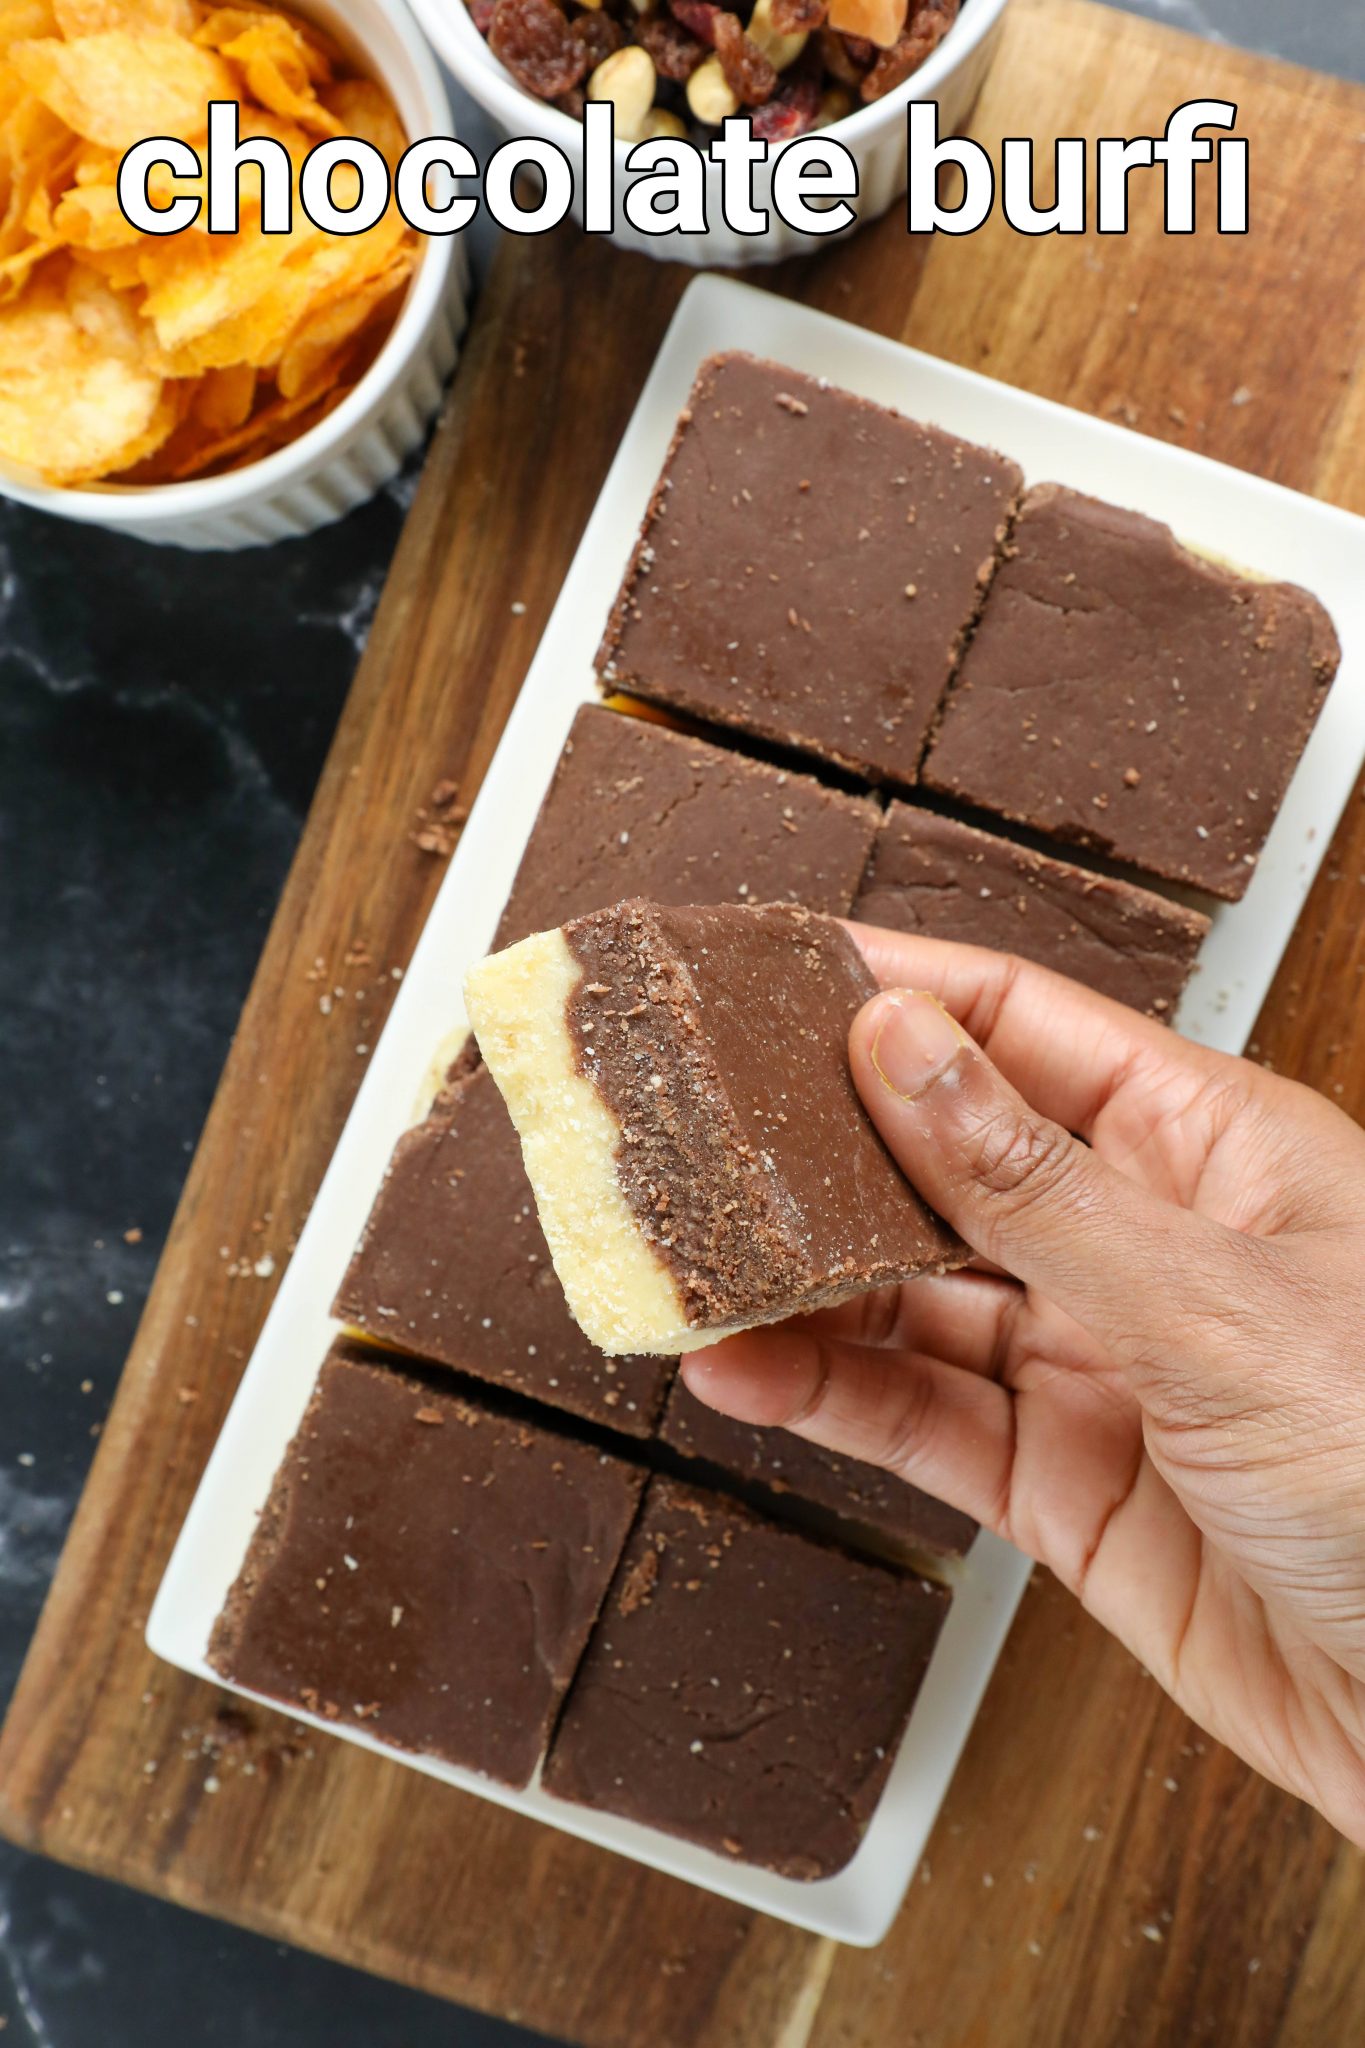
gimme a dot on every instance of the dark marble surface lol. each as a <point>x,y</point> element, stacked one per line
<point>163,718</point>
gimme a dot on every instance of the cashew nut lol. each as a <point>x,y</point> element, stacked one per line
<point>627,78</point>
<point>709,94</point>
<point>659,122</point>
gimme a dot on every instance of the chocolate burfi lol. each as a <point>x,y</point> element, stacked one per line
<point>746,1687</point>
<point>636,809</point>
<point>680,1082</point>
<point>1125,693</point>
<point>932,875</point>
<point>861,1504</point>
<point>808,567</point>
<point>454,1266</point>
<point>426,1569</point>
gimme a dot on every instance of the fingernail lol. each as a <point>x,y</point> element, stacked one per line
<point>916,1041</point>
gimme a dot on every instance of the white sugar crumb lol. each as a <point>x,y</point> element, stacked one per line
<point>395,1616</point>
<point>518,609</point>
<point>213,1785</point>
<point>264,1266</point>
<point>1151,1932</point>
<point>1242,395</point>
<point>350,1563</point>
<point>26,1458</point>
<point>114,1297</point>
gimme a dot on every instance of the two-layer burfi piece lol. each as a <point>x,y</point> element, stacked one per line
<point>809,567</point>
<point>427,1569</point>
<point>1125,693</point>
<point>746,1687</point>
<point>700,1157</point>
<point>453,1264</point>
<point>934,876</point>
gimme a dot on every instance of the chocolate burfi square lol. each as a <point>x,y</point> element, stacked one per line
<point>746,1687</point>
<point>808,567</point>
<point>862,1505</point>
<point>453,1265</point>
<point>700,1157</point>
<point>636,809</point>
<point>1125,693</point>
<point>929,874</point>
<point>426,1569</point>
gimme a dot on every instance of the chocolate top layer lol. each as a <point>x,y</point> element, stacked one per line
<point>635,809</point>
<point>718,1038</point>
<point>870,1507</point>
<point>426,1568</point>
<point>929,874</point>
<point>453,1265</point>
<point>1124,693</point>
<point>746,1688</point>
<point>808,566</point>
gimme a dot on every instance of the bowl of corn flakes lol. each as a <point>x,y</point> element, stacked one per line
<point>212,390</point>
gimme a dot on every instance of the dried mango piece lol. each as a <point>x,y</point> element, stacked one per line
<point>118,88</point>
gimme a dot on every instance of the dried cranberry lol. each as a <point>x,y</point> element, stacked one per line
<point>795,106</point>
<point>598,34</point>
<point>675,50</point>
<point>748,73</point>
<point>927,24</point>
<point>700,16</point>
<point>533,39</point>
<point>481,14</point>
<point>797,17</point>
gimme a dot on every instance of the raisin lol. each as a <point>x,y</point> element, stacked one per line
<point>748,73</point>
<point>795,17</point>
<point>533,39</point>
<point>481,14</point>
<point>699,16</point>
<point>675,50</point>
<point>793,109</point>
<point>598,34</point>
<point>925,27</point>
<point>839,60</point>
<point>572,102</point>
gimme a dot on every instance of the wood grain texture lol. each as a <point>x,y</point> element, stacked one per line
<point>1100,1874</point>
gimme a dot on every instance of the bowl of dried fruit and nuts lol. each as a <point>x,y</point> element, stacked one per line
<point>679,68</point>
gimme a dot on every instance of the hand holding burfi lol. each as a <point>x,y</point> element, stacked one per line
<point>1165,1406</point>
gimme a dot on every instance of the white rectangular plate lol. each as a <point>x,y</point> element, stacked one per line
<point>1238,516</point>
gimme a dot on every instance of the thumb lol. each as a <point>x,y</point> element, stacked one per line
<point>1148,1279</point>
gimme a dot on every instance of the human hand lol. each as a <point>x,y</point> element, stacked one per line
<point>1166,1404</point>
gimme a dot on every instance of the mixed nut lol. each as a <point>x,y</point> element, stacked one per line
<point>680,67</point>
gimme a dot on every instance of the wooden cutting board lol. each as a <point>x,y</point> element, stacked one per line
<point>1100,1873</point>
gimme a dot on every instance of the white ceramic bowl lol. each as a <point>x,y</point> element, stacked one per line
<point>361,445</point>
<point>875,135</point>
